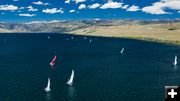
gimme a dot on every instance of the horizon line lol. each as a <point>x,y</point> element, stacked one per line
<point>61,20</point>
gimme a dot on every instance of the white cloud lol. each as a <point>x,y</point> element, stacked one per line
<point>8,7</point>
<point>171,4</point>
<point>111,4</point>
<point>27,15</point>
<point>133,8</point>
<point>53,10</point>
<point>125,6</point>
<point>154,10</point>
<point>22,8</point>
<point>71,11</point>
<point>82,6</point>
<point>79,1</point>
<point>40,3</point>
<point>30,8</point>
<point>96,5</point>
<point>161,6</point>
<point>67,1</point>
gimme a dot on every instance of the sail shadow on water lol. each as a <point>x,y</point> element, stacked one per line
<point>175,67</point>
<point>71,93</point>
<point>48,96</point>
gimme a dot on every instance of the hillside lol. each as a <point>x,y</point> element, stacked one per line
<point>157,30</point>
<point>68,26</point>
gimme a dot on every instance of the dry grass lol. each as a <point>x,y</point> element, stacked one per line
<point>169,33</point>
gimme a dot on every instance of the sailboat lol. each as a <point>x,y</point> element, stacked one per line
<point>122,51</point>
<point>70,81</point>
<point>85,38</point>
<point>90,40</point>
<point>175,60</point>
<point>52,63</point>
<point>47,89</point>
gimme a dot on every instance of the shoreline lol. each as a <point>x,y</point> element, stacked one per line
<point>163,33</point>
<point>169,42</point>
<point>154,31</point>
<point>177,43</point>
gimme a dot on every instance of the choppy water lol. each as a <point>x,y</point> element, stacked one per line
<point>101,72</point>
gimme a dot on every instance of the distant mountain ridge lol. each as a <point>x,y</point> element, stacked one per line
<point>64,26</point>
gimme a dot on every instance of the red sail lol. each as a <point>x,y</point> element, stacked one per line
<point>53,61</point>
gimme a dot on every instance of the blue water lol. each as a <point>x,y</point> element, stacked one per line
<point>101,72</point>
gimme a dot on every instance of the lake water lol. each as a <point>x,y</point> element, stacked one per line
<point>101,72</point>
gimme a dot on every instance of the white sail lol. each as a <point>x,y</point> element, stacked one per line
<point>90,40</point>
<point>70,81</point>
<point>47,89</point>
<point>122,50</point>
<point>175,60</point>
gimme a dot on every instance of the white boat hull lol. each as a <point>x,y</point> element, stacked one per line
<point>47,90</point>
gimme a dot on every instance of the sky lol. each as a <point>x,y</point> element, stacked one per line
<point>48,10</point>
